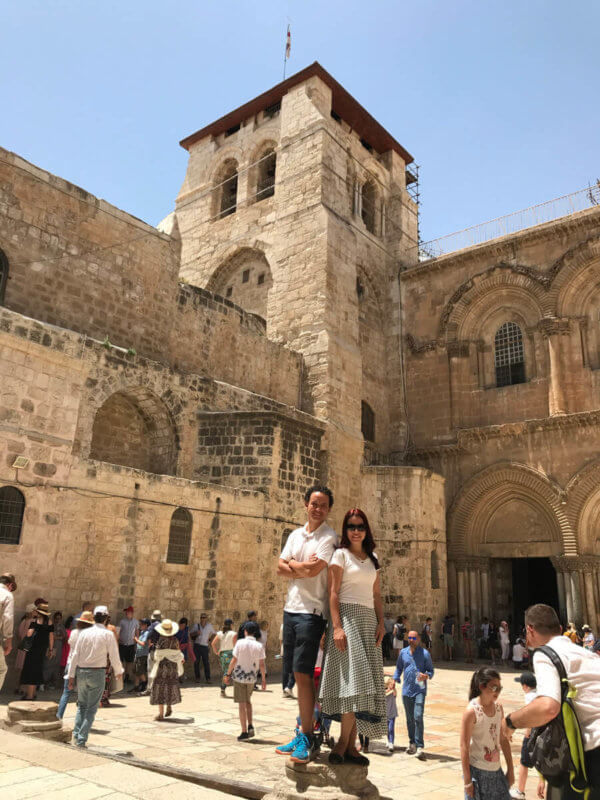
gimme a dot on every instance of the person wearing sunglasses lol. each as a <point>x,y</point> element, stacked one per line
<point>414,662</point>
<point>482,738</point>
<point>352,689</point>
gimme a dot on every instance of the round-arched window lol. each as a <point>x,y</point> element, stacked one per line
<point>509,358</point>
<point>180,537</point>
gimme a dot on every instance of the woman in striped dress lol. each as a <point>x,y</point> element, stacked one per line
<point>352,689</point>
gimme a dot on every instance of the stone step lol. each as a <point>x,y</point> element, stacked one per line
<point>35,726</point>
<point>44,711</point>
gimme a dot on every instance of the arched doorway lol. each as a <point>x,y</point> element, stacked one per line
<point>505,529</point>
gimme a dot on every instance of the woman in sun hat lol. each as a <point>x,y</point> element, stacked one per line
<point>41,631</point>
<point>21,634</point>
<point>168,666</point>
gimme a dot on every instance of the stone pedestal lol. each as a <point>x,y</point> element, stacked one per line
<point>36,719</point>
<point>320,780</point>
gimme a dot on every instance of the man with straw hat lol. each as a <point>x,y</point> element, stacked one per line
<point>88,663</point>
<point>8,585</point>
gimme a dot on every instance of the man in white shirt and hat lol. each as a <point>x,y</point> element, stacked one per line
<point>94,645</point>
<point>583,672</point>
<point>304,562</point>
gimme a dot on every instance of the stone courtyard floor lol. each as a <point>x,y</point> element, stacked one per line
<point>201,736</point>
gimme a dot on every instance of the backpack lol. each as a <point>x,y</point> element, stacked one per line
<point>556,749</point>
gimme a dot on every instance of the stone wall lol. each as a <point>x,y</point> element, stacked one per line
<point>79,263</point>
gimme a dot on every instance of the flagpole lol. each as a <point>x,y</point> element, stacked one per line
<point>286,52</point>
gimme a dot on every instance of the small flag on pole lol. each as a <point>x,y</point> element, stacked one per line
<point>288,43</point>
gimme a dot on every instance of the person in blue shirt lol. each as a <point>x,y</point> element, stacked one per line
<point>415,662</point>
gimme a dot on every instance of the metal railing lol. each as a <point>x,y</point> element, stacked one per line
<point>511,223</point>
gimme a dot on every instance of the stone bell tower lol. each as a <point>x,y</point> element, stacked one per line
<point>295,207</point>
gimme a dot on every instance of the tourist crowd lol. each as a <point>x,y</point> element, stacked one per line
<point>334,639</point>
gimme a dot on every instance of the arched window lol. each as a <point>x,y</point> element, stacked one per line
<point>265,185</point>
<point>180,537</point>
<point>226,189</point>
<point>508,355</point>
<point>367,422</point>
<point>3,276</point>
<point>12,507</point>
<point>368,205</point>
<point>435,570</point>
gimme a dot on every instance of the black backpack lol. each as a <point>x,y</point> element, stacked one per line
<point>556,748</point>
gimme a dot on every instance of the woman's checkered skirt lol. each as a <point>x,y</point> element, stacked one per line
<point>353,680</point>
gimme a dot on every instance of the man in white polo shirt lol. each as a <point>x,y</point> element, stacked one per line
<point>583,671</point>
<point>303,562</point>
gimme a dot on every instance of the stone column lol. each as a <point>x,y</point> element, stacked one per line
<point>475,603</point>
<point>485,593</point>
<point>460,575</point>
<point>562,599</point>
<point>590,600</point>
<point>552,329</point>
<point>576,597</point>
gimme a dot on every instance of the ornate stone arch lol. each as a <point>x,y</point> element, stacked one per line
<point>583,495</point>
<point>159,409</point>
<point>570,272</point>
<point>489,491</point>
<point>497,285</point>
<point>245,277</point>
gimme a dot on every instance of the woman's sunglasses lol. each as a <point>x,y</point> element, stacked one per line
<point>496,688</point>
<point>355,528</point>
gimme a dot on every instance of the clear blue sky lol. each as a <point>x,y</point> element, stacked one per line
<point>498,103</point>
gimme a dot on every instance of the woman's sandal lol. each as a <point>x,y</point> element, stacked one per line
<point>159,718</point>
<point>336,758</point>
<point>169,711</point>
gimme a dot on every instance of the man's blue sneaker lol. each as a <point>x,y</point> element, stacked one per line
<point>288,749</point>
<point>304,750</point>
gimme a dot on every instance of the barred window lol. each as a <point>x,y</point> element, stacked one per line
<point>508,355</point>
<point>3,275</point>
<point>367,422</point>
<point>12,507</point>
<point>266,175</point>
<point>180,537</point>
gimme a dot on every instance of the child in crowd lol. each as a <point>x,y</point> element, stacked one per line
<point>391,710</point>
<point>140,664</point>
<point>529,685</point>
<point>248,659</point>
<point>519,653</point>
<point>481,740</point>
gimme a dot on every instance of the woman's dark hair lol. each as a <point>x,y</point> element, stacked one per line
<point>481,677</point>
<point>57,614</point>
<point>318,488</point>
<point>228,624</point>
<point>81,626</point>
<point>69,621</point>
<point>183,621</point>
<point>368,543</point>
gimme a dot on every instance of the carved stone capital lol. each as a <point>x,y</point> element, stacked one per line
<point>585,563</point>
<point>554,326</point>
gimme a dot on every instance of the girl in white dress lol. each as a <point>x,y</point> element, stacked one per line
<point>481,740</point>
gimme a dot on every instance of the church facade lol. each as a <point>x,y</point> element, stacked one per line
<point>167,394</point>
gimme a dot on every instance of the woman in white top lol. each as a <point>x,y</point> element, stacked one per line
<point>481,740</point>
<point>222,645</point>
<point>504,636</point>
<point>352,690</point>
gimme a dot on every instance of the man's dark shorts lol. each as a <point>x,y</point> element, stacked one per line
<point>127,653</point>
<point>301,637</point>
<point>140,665</point>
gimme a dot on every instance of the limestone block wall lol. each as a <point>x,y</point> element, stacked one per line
<point>407,512</point>
<point>79,263</point>
<point>541,279</point>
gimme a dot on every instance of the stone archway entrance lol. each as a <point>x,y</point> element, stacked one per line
<point>507,531</point>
